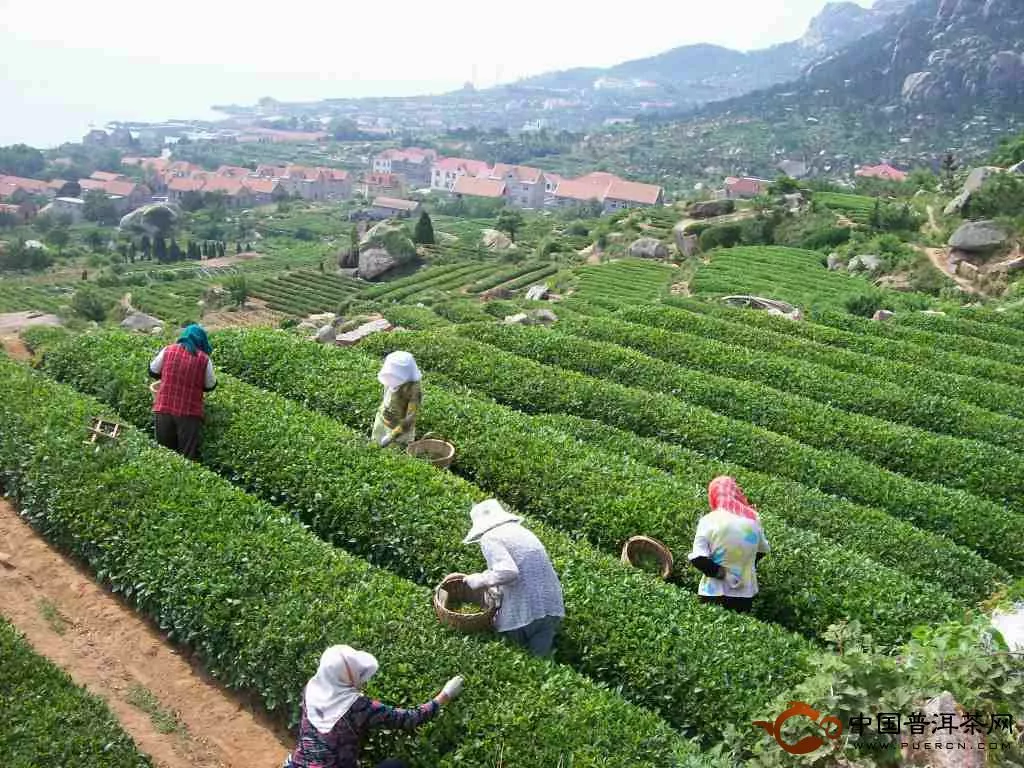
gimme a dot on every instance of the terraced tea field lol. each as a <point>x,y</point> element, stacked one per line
<point>859,443</point>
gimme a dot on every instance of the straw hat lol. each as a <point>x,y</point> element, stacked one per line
<point>487,515</point>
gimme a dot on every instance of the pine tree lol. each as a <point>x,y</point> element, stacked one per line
<point>131,252</point>
<point>147,248</point>
<point>174,253</point>
<point>424,232</point>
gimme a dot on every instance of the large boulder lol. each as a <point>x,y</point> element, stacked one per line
<point>155,219</point>
<point>979,237</point>
<point>711,208</point>
<point>534,317</point>
<point>537,292</point>
<point>687,244</point>
<point>835,262</point>
<point>326,335</point>
<point>975,179</point>
<point>866,262</point>
<point>141,322</point>
<point>495,240</point>
<point>648,248</point>
<point>383,248</point>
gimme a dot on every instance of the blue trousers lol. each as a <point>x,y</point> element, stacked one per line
<point>538,637</point>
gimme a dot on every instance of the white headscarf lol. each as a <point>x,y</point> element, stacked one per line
<point>332,691</point>
<point>399,368</point>
<point>485,516</point>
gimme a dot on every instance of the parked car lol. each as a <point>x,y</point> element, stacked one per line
<point>771,306</point>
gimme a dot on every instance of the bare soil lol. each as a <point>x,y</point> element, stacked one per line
<point>120,657</point>
<point>255,315</point>
<point>939,258</point>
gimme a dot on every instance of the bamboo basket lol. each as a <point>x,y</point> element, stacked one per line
<point>638,545</point>
<point>453,587</point>
<point>438,452</point>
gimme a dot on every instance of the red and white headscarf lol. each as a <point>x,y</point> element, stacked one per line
<point>725,493</point>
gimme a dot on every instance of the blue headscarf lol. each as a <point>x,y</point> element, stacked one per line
<point>194,339</point>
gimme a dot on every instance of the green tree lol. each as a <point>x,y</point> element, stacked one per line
<point>238,289</point>
<point>70,189</point>
<point>94,239</point>
<point>58,237</point>
<point>948,174</point>
<point>1000,195</point>
<point>174,252</point>
<point>147,247</point>
<point>99,208</point>
<point>21,160</point>
<point>784,185</point>
<point>424,232</point>
<point>510,221</point>
<point>17,257</point>
<point>89,304</point>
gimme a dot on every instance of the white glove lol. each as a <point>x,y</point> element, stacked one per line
<point>474,580</point>
<point>452,688</point>
<point>386,440</point>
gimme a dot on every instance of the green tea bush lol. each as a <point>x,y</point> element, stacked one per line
<point>400,513</point>
<point>45,719</point>
<point>259,598</point>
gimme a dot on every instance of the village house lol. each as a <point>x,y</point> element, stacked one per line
<point>179,186</point>
<point>21,212</point>
<point>524,186</point>
<point>884,172</point>
<point>394,208</point>
<point>16,189</point>
<point>551,182</point>
<point>607,189</point>
<point>264,191</point>
<point>72,208</point>
<point>742,188</point>
<point>478,187</point>
<point>412,164</point>
<point>446,170</point>
<point>381,185</point>
<point>126,194</point>
<point>106,176</point>
<point>310,183</point>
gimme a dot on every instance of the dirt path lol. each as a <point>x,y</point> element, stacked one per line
<point>174,713</point>
<point>15,348</point>
<point>932,221</point>
<point>938,258</point>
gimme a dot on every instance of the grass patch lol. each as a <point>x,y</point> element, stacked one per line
<point>164,720</point>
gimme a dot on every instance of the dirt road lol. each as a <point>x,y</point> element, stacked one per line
<point>939,260</point>
<point>175,714</point>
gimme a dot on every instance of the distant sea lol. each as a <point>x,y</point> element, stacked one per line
<point>46,112</point>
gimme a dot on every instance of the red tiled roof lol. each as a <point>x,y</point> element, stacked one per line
<point>10,184</point>
<point>522,173</point>
<point>116,187</point>
<point>224,185</point>
<point>56,184</point>
<point>477,187</point>
<point>185,184</point>
<point>598,179</point>
<point>157,164</point>
<point>105,176</point>
<point>634,192</point>
<point>455,164</point>
<point>335,174</point>
<point>883,171</point>
<point>233,171</point>
<point>395,203</point>
<point>271,171</point>
<point>747,185</point>
<point>574,189</point>
<point>262,186</point>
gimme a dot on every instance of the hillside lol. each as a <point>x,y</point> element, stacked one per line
<point>696,74</point>
<point>943,75</point>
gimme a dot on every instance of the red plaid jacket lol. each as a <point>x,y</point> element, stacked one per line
<point>182,381</point>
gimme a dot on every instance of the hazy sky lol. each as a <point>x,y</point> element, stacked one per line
<point>67,64</point>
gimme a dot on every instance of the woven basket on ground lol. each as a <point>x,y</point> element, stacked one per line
<point>438,452</point>
<point>453,588</point>
<point>645,545</point>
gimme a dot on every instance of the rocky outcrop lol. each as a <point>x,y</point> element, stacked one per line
<point>979,237</point>
<point>919,752</point>
<point>835,262</point>
<point>648,248</point>
<point>141,322</point>
<point>155,219</point>
<point>534,317</point>
<point>494,240</point>
<point>975,179</point>
<point>383,248</point>
<point>866,262</point>
<point>686,244</point>
<point>711,208</point>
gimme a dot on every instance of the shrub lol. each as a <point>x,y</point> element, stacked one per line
<point>864,304</point>
<point>89,304</point>
<point>191,551</point>
<point>720,236</point>
<point>399,513</point>
<point>46,719</point>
